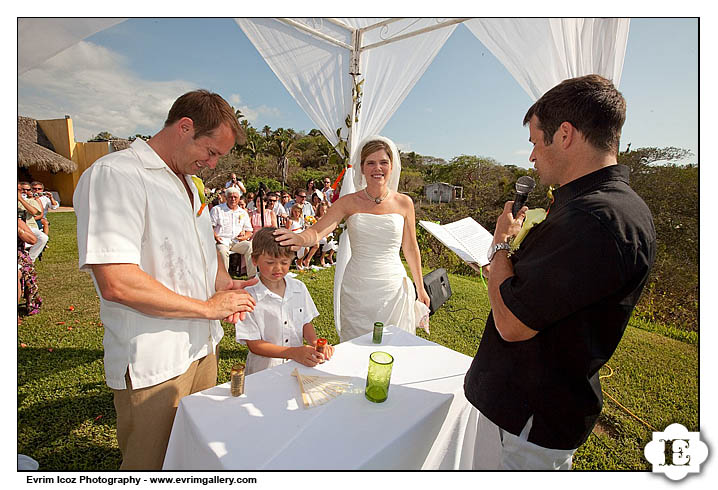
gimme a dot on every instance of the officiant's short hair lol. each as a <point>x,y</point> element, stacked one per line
<point>263,242</point>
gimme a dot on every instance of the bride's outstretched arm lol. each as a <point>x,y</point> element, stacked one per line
<point>411,251</point>
<point>324,225</point>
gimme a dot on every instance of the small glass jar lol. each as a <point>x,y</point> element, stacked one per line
<point>378,332</point>
<point>236,376</point>
<point>321,346</point>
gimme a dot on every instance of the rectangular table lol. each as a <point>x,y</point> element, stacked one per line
<point>426,423</point>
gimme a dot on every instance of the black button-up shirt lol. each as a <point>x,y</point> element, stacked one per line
<point>577,277</point>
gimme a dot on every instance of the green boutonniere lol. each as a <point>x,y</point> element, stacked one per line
<point>533,217</point>
<point>200,190</point>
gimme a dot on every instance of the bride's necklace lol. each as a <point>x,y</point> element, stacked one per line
<point>377,200</point>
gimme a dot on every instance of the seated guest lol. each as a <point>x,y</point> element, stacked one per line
<point>328,244</point>
<point>328,191</point>
<point>295,223</point>
<point>281,321</point>
<point>285,199</point>
<point>47,200</point>
<point>233,230</point>
<point>29,209</point>
<point>311,187</point>
<point>26,275</point>
<point>274,204</point>
<point>255,216</point>
<point>300,197</point>
<point>249,198</point>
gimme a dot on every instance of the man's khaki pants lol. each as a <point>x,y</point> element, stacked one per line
<point>145,415</point>
<point>244,248</point>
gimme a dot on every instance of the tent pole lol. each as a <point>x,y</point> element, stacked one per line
<point>381,24</point>
<point>354,71</point>
<point>314,32</point>
<point>339,23</point>
<point>417,32</point>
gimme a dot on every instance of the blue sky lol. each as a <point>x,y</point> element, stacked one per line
<point>124,78</point>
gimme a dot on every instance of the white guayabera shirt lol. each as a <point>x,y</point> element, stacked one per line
<point>277,320</point>
<point>131,208</point>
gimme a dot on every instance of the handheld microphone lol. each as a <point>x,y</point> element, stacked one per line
<point>524,185</point>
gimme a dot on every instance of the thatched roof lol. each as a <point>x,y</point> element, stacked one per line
<point>31,154</point>
<point>120,144</point>
<point>35,150</point>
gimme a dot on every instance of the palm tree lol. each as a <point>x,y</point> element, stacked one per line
<point>282,141</point>
<point>254,146</point>
<point>267,131</point>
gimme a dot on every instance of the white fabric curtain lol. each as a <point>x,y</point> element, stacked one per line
<point>314,71</point>
<point>316,74</point>
<point>540,53</point>
<point>389,72</point>
<point>40,39</point>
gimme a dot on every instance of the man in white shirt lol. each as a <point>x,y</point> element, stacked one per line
<point>48,202</point>
<point>29,210</point>
<point>327,190</point>
<point>235,182</point>
<point>300,198</point>
<point>147,241</point>
<point>276,206</point>
<point>233,230</point>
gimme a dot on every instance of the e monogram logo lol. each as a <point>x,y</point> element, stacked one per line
<point>676,452</point>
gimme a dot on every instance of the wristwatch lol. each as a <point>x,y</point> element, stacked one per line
<point>496,248</point>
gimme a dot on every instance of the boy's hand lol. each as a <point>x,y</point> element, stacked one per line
<point>306,355</point>
<point>328,351</point>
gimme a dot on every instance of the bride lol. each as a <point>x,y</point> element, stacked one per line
<point>380,222</point>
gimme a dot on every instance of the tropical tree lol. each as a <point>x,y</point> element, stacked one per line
<point>254,147</point>
<point>280,147</point>
<point>103,136</point>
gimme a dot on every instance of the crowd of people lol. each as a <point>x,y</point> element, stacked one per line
<point>33,233</point>
<point>237,215</point>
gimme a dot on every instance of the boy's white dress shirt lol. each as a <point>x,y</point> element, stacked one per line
<point>277,320</point>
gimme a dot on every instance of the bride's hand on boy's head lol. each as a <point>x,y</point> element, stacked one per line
<point>287,238</point>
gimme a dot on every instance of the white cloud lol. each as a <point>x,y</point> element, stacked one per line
<point>522,152</point>
<point>94,86</point>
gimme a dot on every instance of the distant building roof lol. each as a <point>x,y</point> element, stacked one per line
<point>34,149</point>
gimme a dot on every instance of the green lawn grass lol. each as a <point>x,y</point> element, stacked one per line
<point>66,418</point>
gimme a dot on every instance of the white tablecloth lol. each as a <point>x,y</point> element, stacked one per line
<point>426,423</point>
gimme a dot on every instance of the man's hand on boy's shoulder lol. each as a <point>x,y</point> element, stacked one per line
<point>238,285</point>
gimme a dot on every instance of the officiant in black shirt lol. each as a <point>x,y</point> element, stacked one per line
<point>561,302</point>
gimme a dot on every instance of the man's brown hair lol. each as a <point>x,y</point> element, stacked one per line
<point>207,111</point>
<point>591,103</point>
<point>263,242</point>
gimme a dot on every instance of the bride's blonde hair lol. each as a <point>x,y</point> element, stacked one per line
<point>372,146</point>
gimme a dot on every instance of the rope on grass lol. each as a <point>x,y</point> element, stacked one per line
<point>619,404</point>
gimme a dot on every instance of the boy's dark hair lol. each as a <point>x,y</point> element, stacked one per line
<point>591,103</point>
<point>263,242</point>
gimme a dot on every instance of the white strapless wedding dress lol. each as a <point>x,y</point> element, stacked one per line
<point>375,287</point>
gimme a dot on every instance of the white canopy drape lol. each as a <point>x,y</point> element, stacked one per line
<point>313,58</point>
<point>316,73</point>
<point>39,39</point>
<point>540,53</point>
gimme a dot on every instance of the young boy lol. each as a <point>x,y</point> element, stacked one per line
<point>275,331</point>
